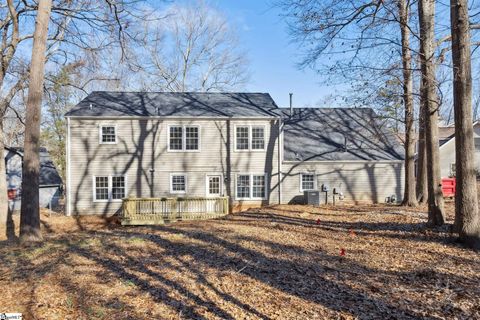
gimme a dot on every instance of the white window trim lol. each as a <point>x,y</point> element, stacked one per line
<point>264,137</point>
<point>250,137</point>
<point>251,186</point>
<point>207,193</point>
<point>100,135</point>
<point>315,185</point>
<point>171,183</point>
<point>184,137</point>
<point>110,188</point>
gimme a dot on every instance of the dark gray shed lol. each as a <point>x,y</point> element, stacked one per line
<point>51,184</point>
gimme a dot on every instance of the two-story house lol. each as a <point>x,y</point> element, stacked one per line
<point>446,135</point>
<point>240,145</point>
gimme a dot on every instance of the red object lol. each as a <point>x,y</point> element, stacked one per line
<point>449,186</point>
<point>318,221</point>
<point>12,194</point>
<point>352,233</point>
<point>342,252</point>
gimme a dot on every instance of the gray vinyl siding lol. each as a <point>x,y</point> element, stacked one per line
<point>141,152</point>
<point>359,181</point>
<point>141,155</point>
<point>447,158</point>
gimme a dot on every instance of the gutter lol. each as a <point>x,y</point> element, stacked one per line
<point>171,117</point>
<point>341,161</point>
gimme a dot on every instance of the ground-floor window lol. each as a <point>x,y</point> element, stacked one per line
<point>118,187</point>
<point>307,182</point>
<point>178,183</point>
<point>251,186</point>
<point>108,188</point>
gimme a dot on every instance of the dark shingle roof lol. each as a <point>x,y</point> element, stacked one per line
<point>185,104</point>
<point>321,134</point>
<point>48,172</point>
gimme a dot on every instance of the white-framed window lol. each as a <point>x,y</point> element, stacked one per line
<point>101,188</point>
<point>107,188</point>
<point>178,183</point>
<point>249,137</point>
<point>175,141</point>
<point>308,181</point>
<point>192,137</point>
<point>258,186</point>
<point>214,185</point>
<point>107,134</point>
<point>251,186</point>
<point>243,137</point>
<point>118,187</point>
<point>258,137</point>
<point>183,138</point>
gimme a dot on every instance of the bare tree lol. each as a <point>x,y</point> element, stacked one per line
<point>467,219</point>
<point>426,11</point>
<point>192,48</point>
<point>76,28</point>
<point>409,198</point>
<point>354,35</point>
<point>422,182</point>
<point>30,214</point>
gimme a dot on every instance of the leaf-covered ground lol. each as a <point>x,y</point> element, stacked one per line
<point>283,262</point>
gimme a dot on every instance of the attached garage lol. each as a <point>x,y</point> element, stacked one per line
<point>348,152</point>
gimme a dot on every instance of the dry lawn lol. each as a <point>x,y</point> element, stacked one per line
<point>282,262</point>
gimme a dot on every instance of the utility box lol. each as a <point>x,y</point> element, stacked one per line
<point>311,197</point>
<point>449,186</point>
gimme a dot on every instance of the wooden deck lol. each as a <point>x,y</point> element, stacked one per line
<point>147,211</point>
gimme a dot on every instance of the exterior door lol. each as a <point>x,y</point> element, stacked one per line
<point>214,185</point>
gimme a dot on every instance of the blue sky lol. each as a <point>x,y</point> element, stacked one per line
<point>272,55</point>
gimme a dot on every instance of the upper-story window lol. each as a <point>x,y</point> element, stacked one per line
<point>258,138</point>
<point>243,134</point>
<point>250,137</point>
<point>108,134</point>
<point>184,138</point>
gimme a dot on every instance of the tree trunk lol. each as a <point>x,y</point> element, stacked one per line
<point>422,185</point>
<point>426,10</point>
<point>3,181</point>
<point>30,211</point>
<point>409,198</point>
<point>467,220</point>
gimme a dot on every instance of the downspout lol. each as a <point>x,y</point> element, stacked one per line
<point>69,208</point>
<point>280,160</point>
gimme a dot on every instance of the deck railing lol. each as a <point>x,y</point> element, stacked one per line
<point>142,211</point>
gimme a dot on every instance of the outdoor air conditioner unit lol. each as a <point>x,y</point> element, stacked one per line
<point>312,198</point>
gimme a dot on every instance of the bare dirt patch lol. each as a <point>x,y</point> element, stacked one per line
<point>284,262</point>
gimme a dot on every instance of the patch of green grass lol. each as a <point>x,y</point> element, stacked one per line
<point>69,302</point>
<point>90,242</point>
<point>129,283</point>
<point>96,312</point>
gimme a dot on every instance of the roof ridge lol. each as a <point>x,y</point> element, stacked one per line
<point>179,92</point>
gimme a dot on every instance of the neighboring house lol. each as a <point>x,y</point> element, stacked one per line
<point>241,145</point>
<point>50,181</point>
<point>446,135</point>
